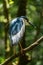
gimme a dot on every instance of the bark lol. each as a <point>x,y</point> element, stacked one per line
<point>22,8</point>
<point>22,12</point>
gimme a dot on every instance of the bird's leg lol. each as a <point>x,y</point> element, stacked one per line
<point>21,49</point>
<point>14,50</point>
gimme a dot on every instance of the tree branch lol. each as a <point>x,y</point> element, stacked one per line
<point>33,45</point>
<point>26,49</point>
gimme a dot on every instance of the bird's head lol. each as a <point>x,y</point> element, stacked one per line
<point>27,20</point>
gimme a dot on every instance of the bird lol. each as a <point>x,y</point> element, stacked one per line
<point>17,30</point>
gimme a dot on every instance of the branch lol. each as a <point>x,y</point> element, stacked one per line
<point>33,45</point>
<point>26,49</point>
<point>9,59</point>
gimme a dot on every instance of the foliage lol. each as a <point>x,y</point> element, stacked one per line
<point>11,2</point>
<point>1,59</point>
<point>34,7</point>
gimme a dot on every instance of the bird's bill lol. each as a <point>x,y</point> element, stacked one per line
<point>32,24</point>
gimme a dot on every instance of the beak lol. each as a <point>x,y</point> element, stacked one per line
<point>31,24</point>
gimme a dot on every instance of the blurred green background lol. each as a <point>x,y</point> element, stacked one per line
<point>34,11</point>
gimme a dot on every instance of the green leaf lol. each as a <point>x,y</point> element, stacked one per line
<point>11,2</point>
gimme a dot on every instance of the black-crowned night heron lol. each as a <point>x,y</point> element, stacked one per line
<point>17,29</point>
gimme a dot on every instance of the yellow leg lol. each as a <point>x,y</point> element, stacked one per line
<point>14,50</point>
<point>21,49</point>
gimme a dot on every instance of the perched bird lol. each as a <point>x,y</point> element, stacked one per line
<point>17,29</point>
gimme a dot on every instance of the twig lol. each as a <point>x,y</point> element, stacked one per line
<point>26,49</point>
<point>33,45</point>
<point>9,59</point>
